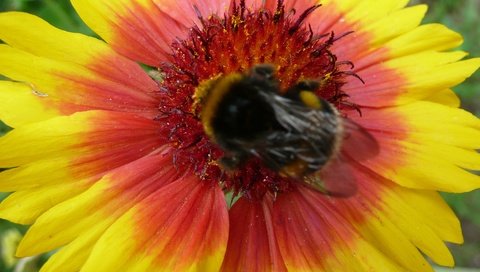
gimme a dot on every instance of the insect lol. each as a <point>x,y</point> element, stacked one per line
<point>293,132</point>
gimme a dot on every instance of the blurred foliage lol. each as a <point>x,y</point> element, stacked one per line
<point>461,15</point>
<point>3,128</point>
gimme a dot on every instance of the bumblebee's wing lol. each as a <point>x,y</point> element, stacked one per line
<point>320,127</point>
<point>336,179</point>
<point>328,140</point>
<point>306,134</point>
<point>357,143</point>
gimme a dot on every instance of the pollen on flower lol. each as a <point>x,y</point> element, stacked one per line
<point>234,43</point>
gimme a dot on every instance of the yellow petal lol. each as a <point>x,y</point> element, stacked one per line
<point>446,97</point>
<point>396,24</point>
<point>21,104</point>
<point>431,121</point>
<point>423,83</point>
<point>51,231</point>
<point>434,37</point>
<point>39,173</point>
<point>384,235</point>
<point>360,256</point>
<point>71,257</point>
<point>53,138</point>
<point>408,211</point>
<point>23,207</point>
<point>422,168</point>
<point>35,36</point>
<point>362,10</point>
<point>42,74</point>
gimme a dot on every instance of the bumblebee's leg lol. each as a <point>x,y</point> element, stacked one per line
<point>308,85</point>
<point>264,71</point>
<point>232,161</point>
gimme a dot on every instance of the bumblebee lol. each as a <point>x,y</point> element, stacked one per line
<point>293,131</point>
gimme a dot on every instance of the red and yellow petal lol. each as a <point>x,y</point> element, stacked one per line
<point>93,139</point>
<point>358,16</point>
<point>314,235</point>
<point>252,244</point>
<point>410,78</point>
<point>71,257</point>
<point>425,145</point>
<point>397,61</point>
<point>68,156</point>
<point>68,72</point>
<point>94,211</point>
<point>143,30</point>
<point>378,229</point>
<point>396,220</point>
<point>182,227</point>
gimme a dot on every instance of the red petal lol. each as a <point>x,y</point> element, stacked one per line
<point>307,232</point>
<point>252,245</point>
<point>186,221</point>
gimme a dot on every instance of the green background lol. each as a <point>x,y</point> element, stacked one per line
<point>461,15</point>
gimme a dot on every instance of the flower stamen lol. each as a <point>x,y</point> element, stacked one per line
<point>232,44</point>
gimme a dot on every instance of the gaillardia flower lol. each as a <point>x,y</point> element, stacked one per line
<point>112,165</point>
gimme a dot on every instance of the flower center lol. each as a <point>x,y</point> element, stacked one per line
<point>235,43</point>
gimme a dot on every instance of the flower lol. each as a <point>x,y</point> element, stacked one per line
<point>113,166</point>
